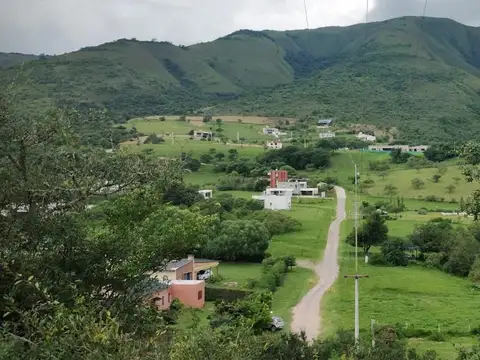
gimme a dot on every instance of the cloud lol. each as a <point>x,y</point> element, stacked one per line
<point>57,26</point>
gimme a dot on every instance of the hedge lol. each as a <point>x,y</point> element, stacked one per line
<point>213,293</point>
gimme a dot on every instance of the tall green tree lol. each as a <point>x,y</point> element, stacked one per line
<point>372,233</point>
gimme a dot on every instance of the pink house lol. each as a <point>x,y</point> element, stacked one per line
<point>190,292</point>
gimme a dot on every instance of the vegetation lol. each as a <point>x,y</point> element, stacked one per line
<point>412,78</point>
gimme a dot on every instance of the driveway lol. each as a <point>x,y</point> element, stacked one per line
<point>306,314</point>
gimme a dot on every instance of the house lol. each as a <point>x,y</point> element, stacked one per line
<point>366,137</point>
<point>309,192</point>
<point>202,135</point>
<point>190,292</point>
<point>276,199</point>
<point>275,144</point>
<point>295,185</point>
<point>324,123</point>
<point>404,148</point>
<point>179,281</point>
<point>207,194</point>
<point>277,176</point>
<point>326,135</point>
<point>270,131</point>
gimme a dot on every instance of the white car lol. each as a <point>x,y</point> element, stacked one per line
<point>277,323</point>
<point>204,274</point>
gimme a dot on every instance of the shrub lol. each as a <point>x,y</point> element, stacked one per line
<point>377,259</point>
<point>153,139</point>
<point>393,251</point>
<point>213,293</point>
<point>434,260</point>
<point>422,211</point>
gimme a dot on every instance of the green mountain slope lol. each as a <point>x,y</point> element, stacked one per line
<point>419,75</point>
<point>11,59</point>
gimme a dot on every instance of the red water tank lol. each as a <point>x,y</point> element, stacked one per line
<point>277,176</point>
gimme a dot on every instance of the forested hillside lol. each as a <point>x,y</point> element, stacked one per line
<point>421,75</point>
<point>11,59</point>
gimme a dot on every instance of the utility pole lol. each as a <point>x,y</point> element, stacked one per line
<point>238,136</point>
<point>356,276</point>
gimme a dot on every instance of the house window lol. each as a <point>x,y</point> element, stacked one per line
<point>187,276</point>
<point>200,295</point>
<point>169,298</point>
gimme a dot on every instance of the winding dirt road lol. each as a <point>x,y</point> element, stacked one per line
<point>306,315</point>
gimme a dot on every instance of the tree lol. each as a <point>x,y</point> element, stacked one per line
<point>417,162</point>
<point>450,189</point>
<point>153,139</point>
<point>462,253</point>
<point>219,122</point>
<point>417,183</point>
<point>439,153</point>
<point>219,156</point>
<point>373,232</point>
<point>399,157</point>
<point>390,190</point>
<point>457,180</point>
<point>239,240</point>
<point>472,205</point>
<point>207,118</point>
<point>436,178</point>
<point>393,251</point>
<point>433,236</point>
<point>290,261</point>
<point>232,154</point>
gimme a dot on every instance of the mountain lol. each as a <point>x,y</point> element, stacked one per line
<point>11,59</point>
<point>420,75</point>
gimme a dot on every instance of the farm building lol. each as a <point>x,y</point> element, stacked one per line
<point>275,144</point>
<point>324,123</point>
<point>202,134</point>
<point>270,131</point>
<point>207,194</point>
<point>326,135</point>
<point>276,199</point>
<point>405,148</point>
<point>366,137</point>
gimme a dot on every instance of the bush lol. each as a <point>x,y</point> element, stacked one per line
<point>434,260</point>
<point>393,251</point>
<point>422,211</point>
<point>153,139</point>
<point>377,259</point>
<point>213,293</point>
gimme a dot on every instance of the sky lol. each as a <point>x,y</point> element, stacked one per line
<point>59,26</point>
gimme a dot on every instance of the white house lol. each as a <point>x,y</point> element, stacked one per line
<point>207,194</point>
<point>203,134</point>
<point>276,199</point>
<point>295,185</point>
<point>270,131</point>
<point>274,144</point>
<point>405,148</point>
<point>326,135</point>
<point>366,137</point>
<point>309,192</point>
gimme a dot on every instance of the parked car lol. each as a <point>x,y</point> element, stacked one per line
<point>204,274</point>
<point>277,323</point>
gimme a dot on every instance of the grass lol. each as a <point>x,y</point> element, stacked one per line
<point>251,132</point>
<point>310,241</point>
<point>239,273</point>
<point>296,285</point>
<point>413,297</point>
<point>195,147</point>
<point>205,176</point>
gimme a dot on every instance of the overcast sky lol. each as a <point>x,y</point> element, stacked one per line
<point>58,26</point>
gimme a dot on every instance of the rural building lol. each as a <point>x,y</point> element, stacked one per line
<point>190,292</point>
<point>179,281</point>
<point>207,194</point>
<point>277,176</point>
<point>326,135</point>
<point>295,185</point>
<point>275,144</point>
<point>309,192</point>
<point>366,137</point>
<point>202,134</point>
<point>405,148</point>
<point>276,199</point>
<point>270,131</point>
<point>324,123</point>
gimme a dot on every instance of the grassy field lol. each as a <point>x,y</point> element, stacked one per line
<point>412,297</point>
<point>249,129</point>
<point>194,147</point>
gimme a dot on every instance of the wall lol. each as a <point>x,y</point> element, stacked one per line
<point>188,268</point>
<point>274,202</point>
<point>164,299</point>
<point>187,292</point>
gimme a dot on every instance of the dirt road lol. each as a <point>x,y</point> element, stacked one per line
<point>306,315</point>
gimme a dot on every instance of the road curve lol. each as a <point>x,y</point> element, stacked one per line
<point>306,314</point>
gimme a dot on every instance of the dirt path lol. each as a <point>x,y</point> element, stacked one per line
<point>306,315</point>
